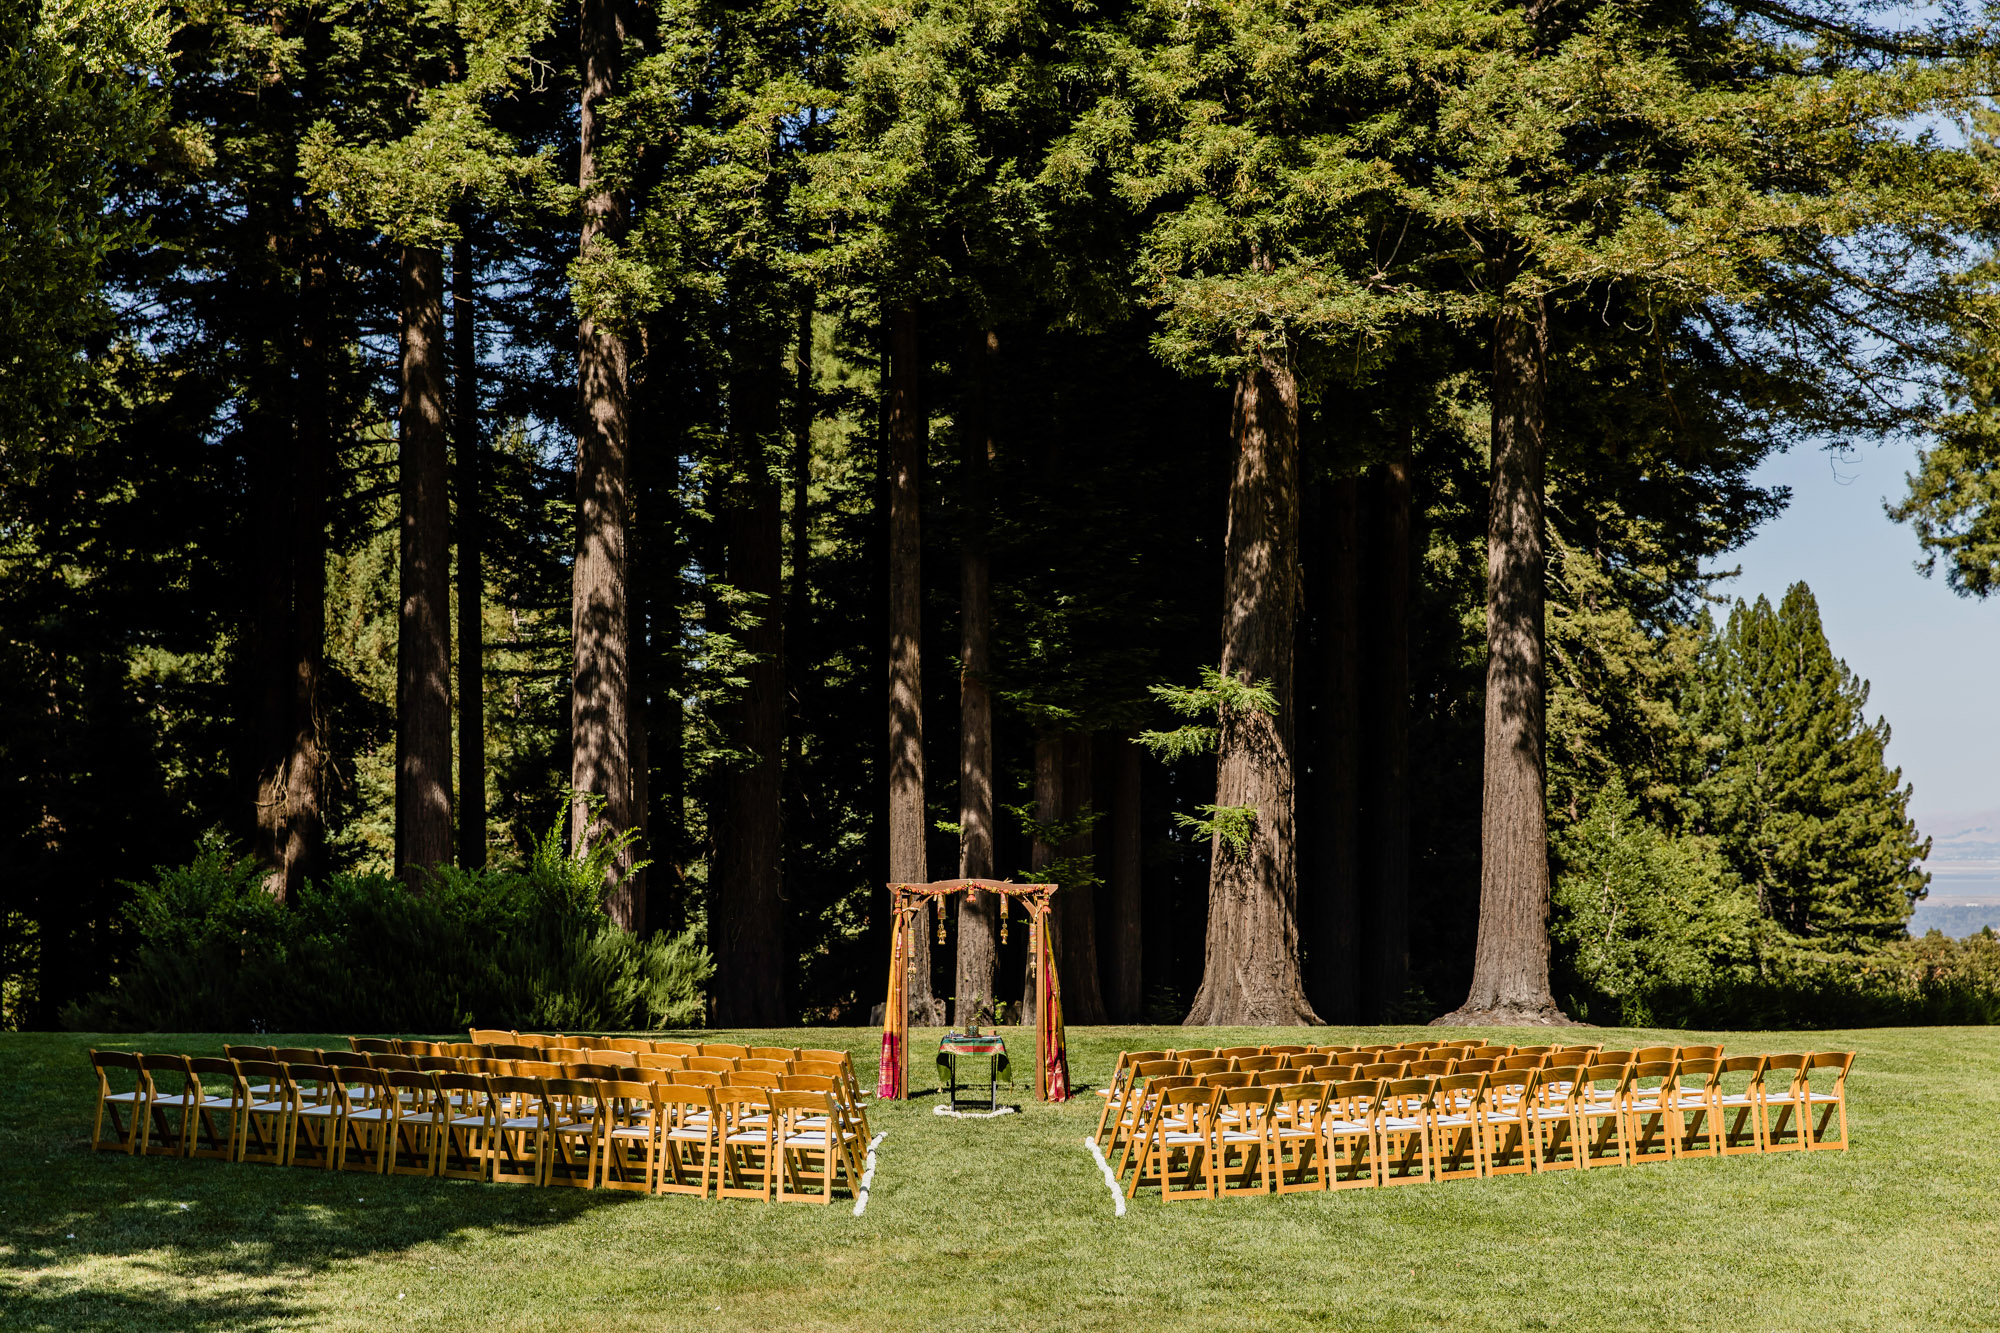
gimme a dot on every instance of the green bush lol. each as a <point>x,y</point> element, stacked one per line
<point>525,948</point>
<point>1652,929</point>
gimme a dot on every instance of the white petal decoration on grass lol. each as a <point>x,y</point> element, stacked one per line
<point>1117,1195</point>
<point>942,1109</point>
<point>867,1174</point>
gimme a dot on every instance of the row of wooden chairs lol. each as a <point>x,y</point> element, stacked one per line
<point>740,1136</point>
<point>1230,1133</point>
<point>506,1045</point>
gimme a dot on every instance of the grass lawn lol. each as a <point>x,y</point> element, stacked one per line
<point>1007,1224</point>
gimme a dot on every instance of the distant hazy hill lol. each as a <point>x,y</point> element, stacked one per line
<point>1965,875</point>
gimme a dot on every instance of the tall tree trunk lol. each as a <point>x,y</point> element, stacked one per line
<point>1076,902</point>
<point>270,447</point>
<point>1510,968</point>
<point>423,638</point>
<point>798,593</point>
<point>471,575</point>
<point>748,923</point>
<point>1251,974</point>
<point>600,619</point>
<point>1042,855</point>
<point>978,915</point>
<point>908,435</point>
<point>1386,954</point>
<point>1332,914</point>
<point>1127,909</point>
<point>305,783</point>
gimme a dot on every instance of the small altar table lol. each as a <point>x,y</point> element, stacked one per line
<point>955,1045</point>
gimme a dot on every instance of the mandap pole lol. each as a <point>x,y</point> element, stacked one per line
<point>893,1079</point>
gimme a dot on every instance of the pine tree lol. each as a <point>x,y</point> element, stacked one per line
<point>1797,789</point>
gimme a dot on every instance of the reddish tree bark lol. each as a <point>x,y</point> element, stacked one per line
<point>600,614</point>
<point>305,770</point>
<point>1510,970</point>
<point>908,437</point>
<point>423,638</point>
<point>978,915</point>
<point>1251,975</point>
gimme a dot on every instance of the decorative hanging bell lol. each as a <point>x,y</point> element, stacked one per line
<point>1003,917</point>
<point>940,912</point>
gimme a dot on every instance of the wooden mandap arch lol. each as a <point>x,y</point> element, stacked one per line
<point>909,905</point>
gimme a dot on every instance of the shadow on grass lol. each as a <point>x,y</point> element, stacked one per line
<point>101,1238</point>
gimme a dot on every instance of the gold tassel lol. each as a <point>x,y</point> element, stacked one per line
<point>940,911</point>
<point>1003,917</point>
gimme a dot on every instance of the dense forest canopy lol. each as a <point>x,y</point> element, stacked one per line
<point>653,472</point>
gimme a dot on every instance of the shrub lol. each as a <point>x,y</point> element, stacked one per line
<point>500,948</point>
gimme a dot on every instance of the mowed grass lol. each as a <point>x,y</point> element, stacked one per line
<point>1007,1224</point>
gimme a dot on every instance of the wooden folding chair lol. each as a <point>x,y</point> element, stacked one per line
<point>1739,1104</point>
<point>492,1037</point>
<point>1429,1068</point>
<point>1512,1116</point>
<point>215,1121</point>
<point>724,1050</point>
<point>1213,1065</point>
<point>811,1139</point>
<point>1694,1116</point>
<point>361,1140</point>
<point>1237,1052</point>
<point>1698,1053</point>
<point>418,1115</point>
<point>1279,1078</point>
<point>1176,1144</point>
<point>1194,1053</point>
<point>1404,1131</point>
<point>1476,1065</point>
<point>753,1065</point>
<point>698,1078</point>
<point>465,1149</point>
<point>371,1045</point>
<point>786,1054</point>
<point>1297,1164</point>
<point>572,1131</point>
<point>1257,1064</point>
<point>1285,1050</point>
<point>1649,1114</point>
<point>680,1048</point>
<point>1242,1148</point>
<point>174,1093</point>
<point>1601,1111</point>
<point>1350,1134</point>
<point>1305,1061</point>
<point>1828,1099</point>
<point>1385,1070</point>
<point>1458,1135</point>
<point>265,1132</point>
<point>712,1064</point>
<point>1125,1109</point>
<point>631,1121</point>
<point>1490,1052</point>
<point>517,1146</point>
<point>689,1159</point>
<point>743,1139</point>
<point>126,1133</point>
<point>1785,1107</point>
<point>1227,1079</point>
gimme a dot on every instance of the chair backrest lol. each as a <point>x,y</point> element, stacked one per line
<point>1613,1057</point>
<point>754,1078</point>
<point>819,1053</point>
<point>654,1060</point>
<point>829,1068</point>
<point>103,1060</point>
<point>1648,1074</point>
<point>542,1039</point>
<point>684,1095</point>
<point>1237,1052</point>
<point>724,1049</point>
<point>1306,1101</point>
<point>600,1069</point>
<point>699,1078</point>
<point>808,1083</point>
<point>1257,1064</point>
<point>1284,1050</point>
<point>758,1065</point>
<point>680,1048</point>
<point>1331,1050</point>
<point>1409,1095</point>
<point>1378,1048</point>
<point>347,1060</point>
<point>538,1069</point>
<point>1253,1102</point>
<point>1130,1058</point>
<point>1838,1061</point>
<point>217,1068</point>
<point>1567,1059</point>
<point>1699,1052</point>
<point>1168,1082</point>
<point>401,1062</point>
<point>1518,1084</point>
<point>1212,1065</point>
<point>297,1055</point>
<point>1477,1065</point>
<point>1387,1069</point>
<point>1535,1050</point>
<point>732,1103</point>
<point>1196,1053</point>
<point>1458,1090</point>
<point>1647,1055</point>
<point>1155,1068</point>
<point>449,1082</point>
<point>1179,1100</point>
<point>527,1091</point>
<point>1353,1059</point>
<point>1784,1073</point>
<point>246,1052</point>
<point>568,1055</point>
<point>1228,1079</point>
<point>574,1091</point>
<point>581,1043</point>
<point>371,1045</point>
<point>409,1080</point>
<point>1614,1078</point>
<point>516,1051</point>
<point>1429,1068</point>
<point>713,1064</point>
<point>785,1053</point>
<point>1355,1099</point>
<point>1696,1075</point>
<point>321,1079</point>
<point>1279,1078</point>
<point>441,1064</point>
<point>1491,1052</point>
<point>169,1074</point>
<point>492,1037</point>
<point>632,1093</point>
<point>417,1049</point>
<point>1308,1060</point>
<point>1514,1062</point>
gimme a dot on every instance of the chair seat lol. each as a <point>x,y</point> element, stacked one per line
<point>636,1133</point>
<point>1737,1099</point>
<point>744,1138</point>
<point>467,1121</point>
<point>126,1097</point>
<point>320,1111</point>
<point>1824,1097</point>
<point>522,1122</point>
<point>1402,1122</point>
<point>1177,1136</point>
<point>1455,1120</point>
<point>1344,1127</point>
<point>688,1135</point>
<point>267,1108</point>
<point>369,1113</point>
<point>1241,1136</point>
<point>806,1139</point>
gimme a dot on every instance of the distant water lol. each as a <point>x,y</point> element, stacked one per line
<point>1965,875</point>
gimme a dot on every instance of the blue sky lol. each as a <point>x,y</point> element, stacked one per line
<point>1928,654</point>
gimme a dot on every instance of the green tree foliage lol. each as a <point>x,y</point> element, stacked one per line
<point>1795,786</point>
